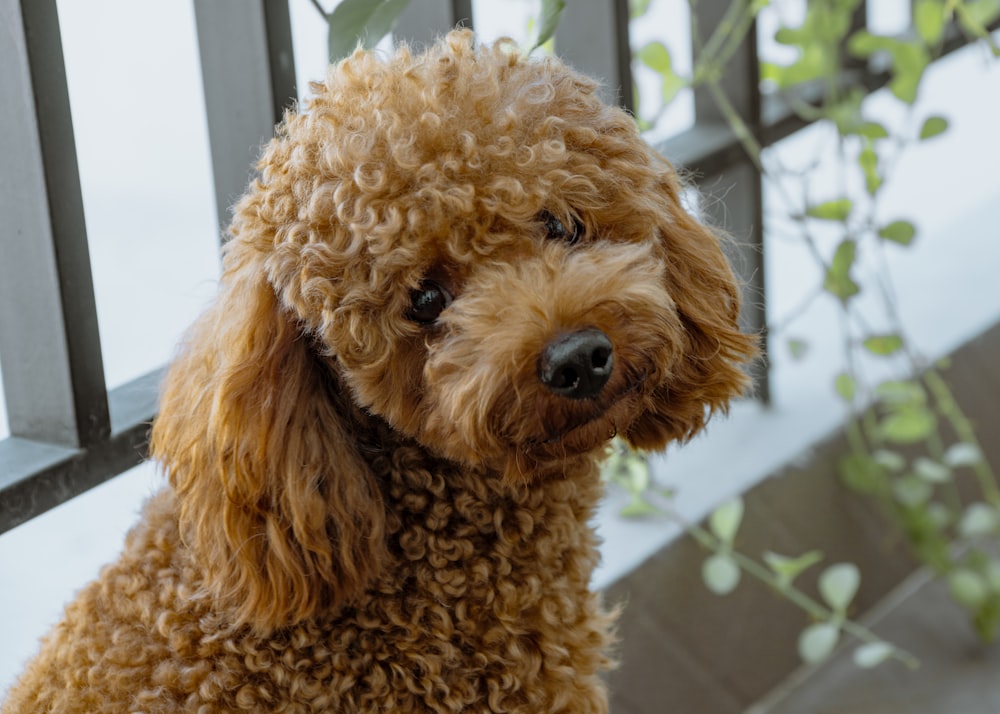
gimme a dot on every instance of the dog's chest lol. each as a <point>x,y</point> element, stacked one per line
<point>483,607</point>
<point>486,599</point>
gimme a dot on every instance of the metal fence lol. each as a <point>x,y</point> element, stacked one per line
<point>68,431</point>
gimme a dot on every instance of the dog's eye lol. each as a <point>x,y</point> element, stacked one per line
<point>555,229</point>
<point>428,301</point>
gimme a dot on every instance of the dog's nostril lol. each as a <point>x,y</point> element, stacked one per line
<point>599,358</point>
<point>578,365</point>
<point>566,378</point>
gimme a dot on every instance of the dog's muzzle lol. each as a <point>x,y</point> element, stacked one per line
<point>577,365</point>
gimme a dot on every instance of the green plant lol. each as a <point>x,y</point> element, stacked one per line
<point>911,446</point>
<point>723,568</point>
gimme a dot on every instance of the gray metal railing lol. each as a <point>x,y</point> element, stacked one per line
<point>68,432</point>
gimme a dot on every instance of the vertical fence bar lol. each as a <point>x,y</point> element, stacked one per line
<point>462,14</point>
<point>423,21</point>
<point>53,370</point>
<point>742,212</point>
<point>248,73</point>
<point>280,57</point>
<point>593,37</point>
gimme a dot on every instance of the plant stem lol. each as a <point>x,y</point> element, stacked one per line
<point>320,9</point>
<point>787,590</point>
<point>965,432</point>
<point>725,40</point>
<point>737,124</point>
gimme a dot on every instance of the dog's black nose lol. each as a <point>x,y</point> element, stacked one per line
<point>577,365</point>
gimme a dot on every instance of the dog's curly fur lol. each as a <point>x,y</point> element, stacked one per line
<point>375,504</point>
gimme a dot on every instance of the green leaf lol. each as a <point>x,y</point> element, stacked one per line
<point>872,130</point>
<point>908,425</point>
<point>846,386</point>
<point>982,12</point>
<point>770,72</point>
<point>798,348</point>
<point>671,85</point>
<point>787,36</point>
<point>862,474</point>
<point>938,516</point>
<point>656,56</point>
<point>968,588</point>
<point>978,519</point>
<point>992,575</point>
<point>868,161</point>
<point>635,472</point>
<point>963,454</point>
<point>863,44</point>
<point>817,642</point>
<point>909,62</point>
<point>911,491</point>
<point>628,468</point>
<point>921,522</point>
<point>787,569</point>
<point>883,345</point>
<point>931,471</point>
<point>838,280</point>
<point>872,654</point>
<point>817,39</point>
<point>929,17</point>
<point>638,8</point>
<point>933,126</point>
<point>720,573</point>
<point>836,210</point>
<point>901,232</point>
<point>838,585</point>
<point>361,21</point>
<point>550,14</point>
<point>638,507</point>
<point>909,59</point>
<point>889,460</point>
<point>815,61</point>
<point>725,520</point>
<point>901,393</point>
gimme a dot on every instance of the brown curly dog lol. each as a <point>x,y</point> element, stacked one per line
<point>456,277</point>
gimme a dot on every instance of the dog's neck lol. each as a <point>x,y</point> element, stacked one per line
<point>419,486</point>
<point>377,440</point>
<point>388,451</point>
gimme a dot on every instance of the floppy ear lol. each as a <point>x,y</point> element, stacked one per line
<point>708,368</point>
<point>280,509</point>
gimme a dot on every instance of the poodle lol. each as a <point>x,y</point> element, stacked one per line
<point>456,276</point>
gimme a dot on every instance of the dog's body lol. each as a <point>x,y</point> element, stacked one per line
<point>481,607</point>
<point>457,276</point>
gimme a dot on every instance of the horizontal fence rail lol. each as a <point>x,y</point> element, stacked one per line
<point>68,432</point>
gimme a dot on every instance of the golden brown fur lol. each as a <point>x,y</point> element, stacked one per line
<point>372,513</point>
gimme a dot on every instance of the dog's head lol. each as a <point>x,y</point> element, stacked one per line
<point>468,247</point>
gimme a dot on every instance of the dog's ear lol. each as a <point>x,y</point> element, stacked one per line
<point>708,368</point>
<point>280,508</point>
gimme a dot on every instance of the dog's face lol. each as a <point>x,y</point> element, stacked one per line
<point>493,260</point>
<point>467,245</point>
